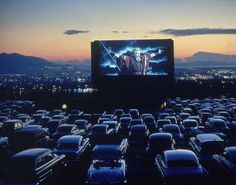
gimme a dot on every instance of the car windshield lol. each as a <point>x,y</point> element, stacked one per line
<point>68,146</point>
<point>82,125</point>
<point>182,163</point>
<point>107,163</point>
<point>64,129</point>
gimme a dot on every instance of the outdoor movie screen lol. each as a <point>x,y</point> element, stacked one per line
<point>134,57</point>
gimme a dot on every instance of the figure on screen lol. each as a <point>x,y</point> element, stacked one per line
<point>135,63</point>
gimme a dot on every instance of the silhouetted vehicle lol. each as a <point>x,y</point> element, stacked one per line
<point>182,116</point>
<point>187,127</point>
<point>170,111</point>
<point>52,126</point>
<point>158,143</point>
<point>4,148</point>
<point>118,113</point>
<point>99,134</point>
<point>180,167</point>
<point>226,162</point>
<point>84,125</point>
<point>149,121</point>
<point>37,117</point>
<point>42,111</point>
<point>33,166</point>
<point>10,127</point>
<point>31,136</point>
<point>161,122</point>
<point>217,125</point>
<point>134,113</point>
<point>113,125</point>
<point>205,145</point>
<point>74,147</point>
<point>124,126</point>
<point>67,129</point>
<point>174,130</point>
<point>137,139</point>
<point>163,115</point>
<point>172,119</point>
<point>108,166</point>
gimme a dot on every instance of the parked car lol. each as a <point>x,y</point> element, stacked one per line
<point>84,125</point>
<point>99,134</point>
<point>226,162</point>
<point>4,148</point>
<point>158,143</point>
<point>124,126</point>
<point>149,121</point>
<point>11,126</point>
<point>67,129</point>
<point>174,130</point>
<point>180,167</point>
<point>137,139</point>
<point>33,166</point>
<point>108,166</point>
<point>52,126</point>
<point>72,146</point>
<point>205,145</point>
<point>162,122</point>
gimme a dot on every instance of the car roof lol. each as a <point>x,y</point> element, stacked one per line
<point>179,154</point>
<point>208,137</point>
<point>70,139</point>
<point>231,150</point>
<point>106,150</point>
<point>33,153</point>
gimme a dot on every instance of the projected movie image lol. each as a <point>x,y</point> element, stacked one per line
<point>133,57</point>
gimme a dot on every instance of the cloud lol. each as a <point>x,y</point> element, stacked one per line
<point>73,32</point>
<point>198,31</point>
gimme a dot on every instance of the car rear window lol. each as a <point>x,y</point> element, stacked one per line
<point>182,163</point>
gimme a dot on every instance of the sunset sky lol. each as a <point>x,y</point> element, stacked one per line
<point>63,29</point>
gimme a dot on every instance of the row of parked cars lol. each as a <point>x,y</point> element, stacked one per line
<point>180,141</point>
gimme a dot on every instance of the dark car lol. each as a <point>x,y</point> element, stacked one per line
<point>52,125</point>
<point>84,125</point>
<point>31,136</point>
<point>175,132</point>
<point>226,162</point>
<point>11,126</point>
<point>4,147</point>
<point>108,166</point>
<point>217,125</point>
<point>158,143</point>
<point>149,121</point>
<point>67,129</point>
<point>180,167</point>
<point>74,147</point>
<point>162,122</point>
<point>205,145</point>
<point>137,139</point>
<point>124,126</point>
<point>33,166</point>
<point>100,133</point>
<point>134,113</point>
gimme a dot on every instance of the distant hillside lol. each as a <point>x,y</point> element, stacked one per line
<point>19,64</point>
<point>204,59</point>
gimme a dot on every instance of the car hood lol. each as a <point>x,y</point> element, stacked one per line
<point>106,175</point>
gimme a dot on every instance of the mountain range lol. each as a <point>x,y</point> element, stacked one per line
<point>15,63</point>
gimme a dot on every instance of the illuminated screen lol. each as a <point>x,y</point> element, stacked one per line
<point>134,57</point>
